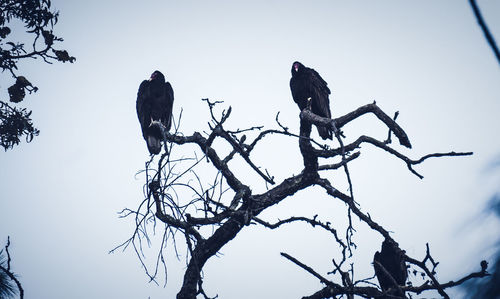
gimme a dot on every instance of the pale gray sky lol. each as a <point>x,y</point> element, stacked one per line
<point>427,59</point>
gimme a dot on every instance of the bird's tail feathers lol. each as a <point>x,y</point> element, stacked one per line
<point>154,144</point>
<point>154,136</point>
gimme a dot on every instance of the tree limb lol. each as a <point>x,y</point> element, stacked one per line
<point>484,28</point>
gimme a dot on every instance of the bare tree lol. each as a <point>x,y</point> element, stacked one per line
<point>39,20</point>
<point>207,209</point>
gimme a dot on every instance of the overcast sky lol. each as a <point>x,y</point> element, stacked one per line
<point>426,59</point>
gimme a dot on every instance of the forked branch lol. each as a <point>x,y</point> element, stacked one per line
<point>228,213</point>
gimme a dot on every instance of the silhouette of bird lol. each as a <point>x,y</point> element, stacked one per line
<point>155,99</point>
<point>307,85</point>
<point>391,257</point>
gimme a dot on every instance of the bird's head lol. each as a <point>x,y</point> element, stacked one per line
<point>157,76</point>
<point>296,67</point>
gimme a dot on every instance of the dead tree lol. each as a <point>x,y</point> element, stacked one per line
<point>228,204</point>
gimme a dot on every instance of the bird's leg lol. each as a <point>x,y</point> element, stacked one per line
<point>164,137</point>
<point>336,131</point>
<point>309,103</point>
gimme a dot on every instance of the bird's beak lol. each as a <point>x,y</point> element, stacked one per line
<point>296,67</point>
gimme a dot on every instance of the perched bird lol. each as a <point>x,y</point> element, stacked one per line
<point>391,257</point>
<point>307,85</point>
<point>155,99</point>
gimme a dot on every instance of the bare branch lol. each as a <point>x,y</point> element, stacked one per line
<point>349,201</point>
<point>313,222</point>
<point>311,271</point>
<point>238,148</point>
<point>388,140</point>
<point>409,162</point>
<point>167,219</point>
<point>339,122</point>
<point>484,28</point>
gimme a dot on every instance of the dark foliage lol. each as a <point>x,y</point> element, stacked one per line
<point>39,21</point>
<point>14,123</point>
<point>155,99</point>
<point>7,286</point>
<point>10,286</point>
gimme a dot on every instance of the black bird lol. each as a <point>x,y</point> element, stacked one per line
<point>155,99</point>
<point>391,257</point>
<point>307,83</point>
